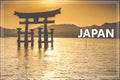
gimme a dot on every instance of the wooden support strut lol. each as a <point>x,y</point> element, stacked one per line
<point>18,41</point>
<point>45,34</point>
<point>39,38</point>
<point>41,22</point>
<point>32,39</point>
<point>26,34</point>
<point>52,32</point>
<point>24,41</point>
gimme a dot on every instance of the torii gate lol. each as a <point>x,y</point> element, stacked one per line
<point>36,17</point>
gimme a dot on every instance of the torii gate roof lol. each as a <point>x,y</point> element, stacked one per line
<point>38,14</point>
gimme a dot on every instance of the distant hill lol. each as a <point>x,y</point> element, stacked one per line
<point>8,32</point>
<point>105,26</point>
<point>64,30</point>
<point>61,30</point>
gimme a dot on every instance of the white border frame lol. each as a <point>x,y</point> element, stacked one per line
<point>62,2</point>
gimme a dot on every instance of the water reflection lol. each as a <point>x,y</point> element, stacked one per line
<point>70,59</point>
<point>35,61</point>
<point>23,61</point>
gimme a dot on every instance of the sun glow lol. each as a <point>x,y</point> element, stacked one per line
<point>49,1</point>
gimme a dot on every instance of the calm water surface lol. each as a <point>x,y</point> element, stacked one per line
<point>71,59</point>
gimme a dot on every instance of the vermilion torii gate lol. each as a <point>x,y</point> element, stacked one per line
<point>36,17</point>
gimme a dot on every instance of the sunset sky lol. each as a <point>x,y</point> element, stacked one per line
<point>78,13</point>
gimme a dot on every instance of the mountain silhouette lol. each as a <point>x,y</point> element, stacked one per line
<point>65,30</point>
<point>8,32</point>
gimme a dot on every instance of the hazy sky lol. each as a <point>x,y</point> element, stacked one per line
<point>81,14</point>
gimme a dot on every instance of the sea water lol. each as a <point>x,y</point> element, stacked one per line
<point>71,59</point>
